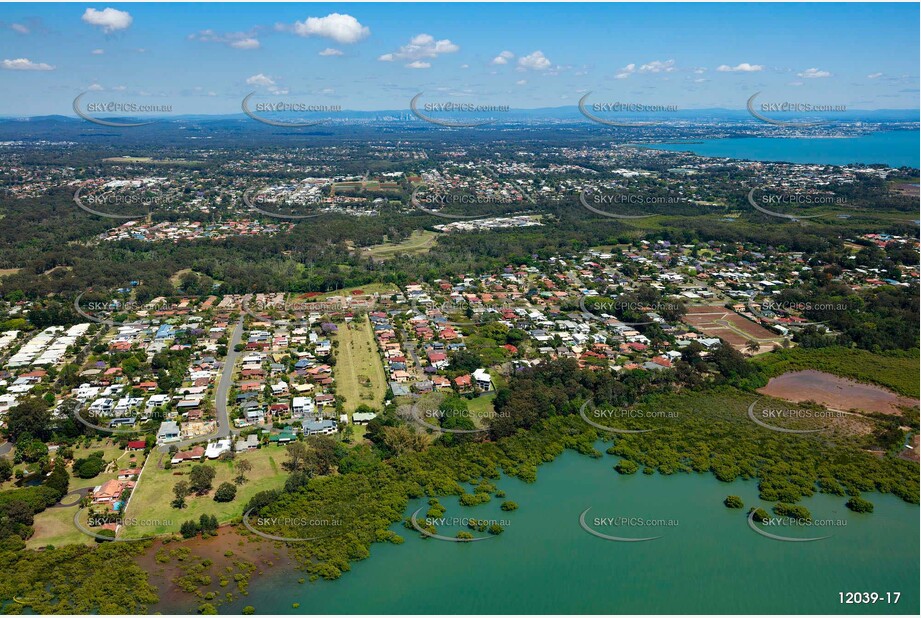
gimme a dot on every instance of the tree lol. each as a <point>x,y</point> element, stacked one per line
<point>297,456</point>
<point>733,502</point>
<point>242,466</point>
<point>6,469</point>
<point>188,529</point>
<point>400,439</point>
<point>180,490</point>
<point>859,505</point>
<point>32,417</point>
<point>201,477</point>
<point>752,346</point>
<point>226,492</point>
<point>59,479</point>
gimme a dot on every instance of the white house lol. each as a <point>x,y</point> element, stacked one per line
<point>482,379</point>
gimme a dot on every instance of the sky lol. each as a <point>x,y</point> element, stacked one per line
<point>204,58</point>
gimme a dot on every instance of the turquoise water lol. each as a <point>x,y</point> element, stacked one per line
<point>544,562</point>
<point>894,148</point>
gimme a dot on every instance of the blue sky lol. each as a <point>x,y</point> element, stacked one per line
<point>203,58</point>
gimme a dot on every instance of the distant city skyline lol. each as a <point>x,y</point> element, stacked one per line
<point>204,58</point>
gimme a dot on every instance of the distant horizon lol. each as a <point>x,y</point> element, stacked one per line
<point>201,59</point>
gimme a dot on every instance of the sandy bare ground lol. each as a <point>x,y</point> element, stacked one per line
<point>835,392</point>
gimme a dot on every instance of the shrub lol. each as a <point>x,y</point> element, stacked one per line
<point>733,502</point>
<point>226,492</point>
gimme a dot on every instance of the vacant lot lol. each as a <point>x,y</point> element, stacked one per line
<point>420,241</point>
<point>359,372</point>
<point>150,504</point>
<point>717,321</point>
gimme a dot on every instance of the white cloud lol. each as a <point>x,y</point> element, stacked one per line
<point>658,66</point>
<point>108,19</point>
<point>247,43</point>
<point>743,67</point>
<point>503,57</point>
<point>340,28</point>
<point>20,28</point>
<point>874,75</point>
<point>701,80</point>
<point>465,66</point>
<point>24,64</point>
<point>260,79</point>
<point>98,52</point>
<point>329,51</point>
<point>420,47</point>
<point>95,87</point>
<point>813,74</point>
<point>237,40</point>
<point>535,60</point>
<point>521,82</point>
<point>795,84</point>
<point>700,71</point>
<point>626,72</point>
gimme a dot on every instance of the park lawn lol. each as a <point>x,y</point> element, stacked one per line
<point>150,503</point>
<point>420,241</point>
<point>370,288</point>
<point>359,371</point>
<point>481,409</point>
<point>55,526</point>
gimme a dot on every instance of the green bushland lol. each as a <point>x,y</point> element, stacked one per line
<point>859,505</point>
<point>733,502</point>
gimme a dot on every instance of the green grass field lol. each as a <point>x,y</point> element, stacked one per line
<point>359,371</point>
<point>420,241</point>
<point>150,504</point>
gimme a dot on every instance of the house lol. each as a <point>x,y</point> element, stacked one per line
<point>194,454</point>
<point>128,474</point>
<point>216,449</point>
<point>363,418</point>
<point>319,427</point>
<point>137,445</point>
<point>482,379</point>
<point>110,491</point>
<point>463,383</point>
<point>168,432</point>
<point>250,443</point>
<point>301,407</point>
